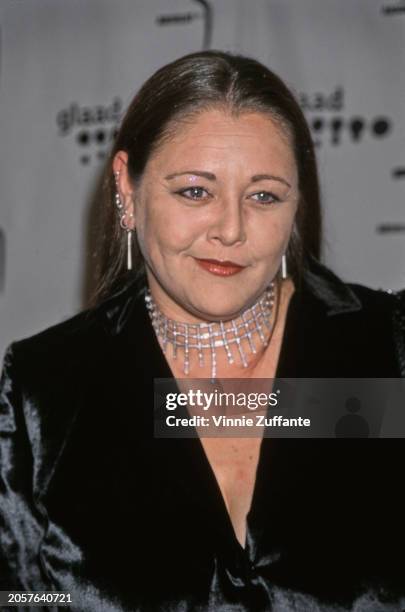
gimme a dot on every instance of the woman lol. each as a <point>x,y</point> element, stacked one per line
<point>211,231</point>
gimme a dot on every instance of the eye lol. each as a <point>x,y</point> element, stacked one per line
<point>265,197</point>
<point>194,193</point>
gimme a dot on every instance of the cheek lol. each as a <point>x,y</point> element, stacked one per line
<point>169,229</point>
<point>269,237</point>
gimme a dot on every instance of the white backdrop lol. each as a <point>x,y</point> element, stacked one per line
<point>69,69</point>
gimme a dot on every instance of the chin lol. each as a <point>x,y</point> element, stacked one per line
<point>218,311</point>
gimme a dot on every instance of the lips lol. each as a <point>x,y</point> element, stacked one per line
<point>220,268</point>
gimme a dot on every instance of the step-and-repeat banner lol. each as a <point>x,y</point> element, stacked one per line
<point>69,69</point>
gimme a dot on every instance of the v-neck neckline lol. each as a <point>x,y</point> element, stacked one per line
<point>285,367</point>
<point>210,486</point>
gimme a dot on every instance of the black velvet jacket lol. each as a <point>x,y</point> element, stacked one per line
<point>92,503</point>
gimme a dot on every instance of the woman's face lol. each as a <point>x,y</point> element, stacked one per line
<point>222,188</point>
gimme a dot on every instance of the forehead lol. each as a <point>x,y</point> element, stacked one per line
<point>218,136</point>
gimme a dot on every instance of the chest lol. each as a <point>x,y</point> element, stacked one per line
<point>234,464</point>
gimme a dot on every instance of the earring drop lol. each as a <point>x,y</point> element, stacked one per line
<point>284,273</point>
<point>123,221</point>
<point>129,249</point>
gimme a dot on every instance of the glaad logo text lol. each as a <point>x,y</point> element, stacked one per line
<point>94,127</point>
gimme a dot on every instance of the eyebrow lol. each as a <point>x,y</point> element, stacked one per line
<point>211,177</point>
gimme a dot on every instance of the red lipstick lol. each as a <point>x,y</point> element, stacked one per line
<point>220,268</point>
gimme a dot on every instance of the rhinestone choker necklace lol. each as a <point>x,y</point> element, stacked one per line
<point>199,337</point>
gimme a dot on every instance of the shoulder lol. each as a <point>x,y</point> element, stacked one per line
<point>55,358</point>
<point>75,343</point>
<point>339,296</point>
<point>369,317</point>
<point>384,310</point>
<point>87,330</point>
<point>378,298</point>
<point>63,339</point>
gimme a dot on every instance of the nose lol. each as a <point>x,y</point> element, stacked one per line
<point>228,224</point>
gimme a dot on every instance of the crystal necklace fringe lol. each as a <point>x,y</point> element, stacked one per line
<point>207,337</point>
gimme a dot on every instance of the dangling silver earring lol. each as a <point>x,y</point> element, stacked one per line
<point>284,273</point>
<point>129,249</point>
<point>123,222</point>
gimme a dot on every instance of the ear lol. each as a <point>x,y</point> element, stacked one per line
<point>124,187</point>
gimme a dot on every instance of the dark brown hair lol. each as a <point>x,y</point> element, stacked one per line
<point>193,83</point>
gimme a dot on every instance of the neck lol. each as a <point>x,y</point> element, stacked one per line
<point>240,339</point>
